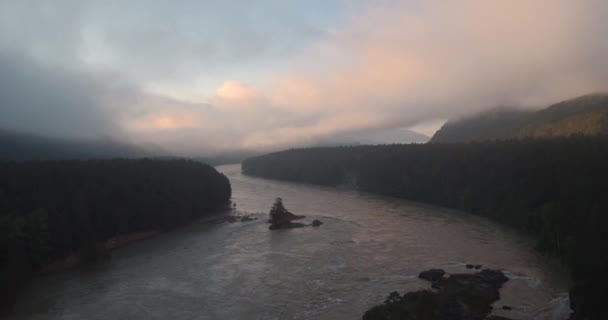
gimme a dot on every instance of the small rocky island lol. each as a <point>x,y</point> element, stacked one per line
<point>467,296</point>
<point>281,218</point>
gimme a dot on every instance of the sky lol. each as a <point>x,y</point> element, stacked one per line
<point>197,77</point>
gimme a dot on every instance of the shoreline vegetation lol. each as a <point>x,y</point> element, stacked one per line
<point>553,189</point>
<point>58,214</point>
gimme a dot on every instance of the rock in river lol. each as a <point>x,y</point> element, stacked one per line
<point>458,297</point>
<point>280,218</point>
<point>431,274</point>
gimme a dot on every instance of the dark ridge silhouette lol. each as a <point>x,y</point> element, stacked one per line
<point>587,115</point>
<point>24,146</point>
<point>373,137</point>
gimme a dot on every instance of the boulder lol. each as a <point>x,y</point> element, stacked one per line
<point>316,223</point>
<point>431,274</point>
<point>459,296</point>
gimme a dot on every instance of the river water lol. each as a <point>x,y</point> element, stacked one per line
<point>368,246</point>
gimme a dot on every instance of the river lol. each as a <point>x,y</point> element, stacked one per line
<point>368,246</point>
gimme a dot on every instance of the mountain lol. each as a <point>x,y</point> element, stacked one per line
<point>586,115</point>
<point>374,137</point>
<point>25,146</point>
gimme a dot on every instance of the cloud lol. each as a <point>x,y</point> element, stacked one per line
<point>296,93</point>
<point>298,136</point>
<point>163,41</point>
<point>195,76</point>
<point>466,54</point>
<point>237,95</point>
<point>53,101</point>
<point>412,62</point>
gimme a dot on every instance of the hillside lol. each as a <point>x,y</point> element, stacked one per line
<point>587,115</point>
<point>24,146</point>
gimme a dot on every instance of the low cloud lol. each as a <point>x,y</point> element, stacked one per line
<point>380,65</point>
<point>408,63</point>
<point>52,101</point>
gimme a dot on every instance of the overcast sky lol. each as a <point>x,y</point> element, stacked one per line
<point>197,76</point>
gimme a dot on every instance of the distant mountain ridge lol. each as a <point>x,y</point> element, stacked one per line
<point>373,137</point>
<point>24,146</point>
<point>586,115</point>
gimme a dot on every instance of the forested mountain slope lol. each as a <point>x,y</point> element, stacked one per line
<point>587,115</point>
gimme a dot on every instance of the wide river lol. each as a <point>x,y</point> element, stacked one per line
<point>368,246</point>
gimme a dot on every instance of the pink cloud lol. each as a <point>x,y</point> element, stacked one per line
<point>395,64</point>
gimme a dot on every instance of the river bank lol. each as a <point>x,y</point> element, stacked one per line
<point>75,260</point>
<point>552,189</point>
<point>367,247</point>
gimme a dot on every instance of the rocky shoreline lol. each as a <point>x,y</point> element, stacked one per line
<point>464,296</point>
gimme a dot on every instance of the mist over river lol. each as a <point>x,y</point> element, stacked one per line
<point>368,246</point>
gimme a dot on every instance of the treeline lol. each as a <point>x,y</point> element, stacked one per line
<point>53,209</point>
<point>556,189</point>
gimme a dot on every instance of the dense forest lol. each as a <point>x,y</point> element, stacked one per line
<point>586,115</point>
<point>50,210</point>
<point>553,188</point>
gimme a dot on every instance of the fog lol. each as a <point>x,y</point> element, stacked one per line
<point>198,77</point>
